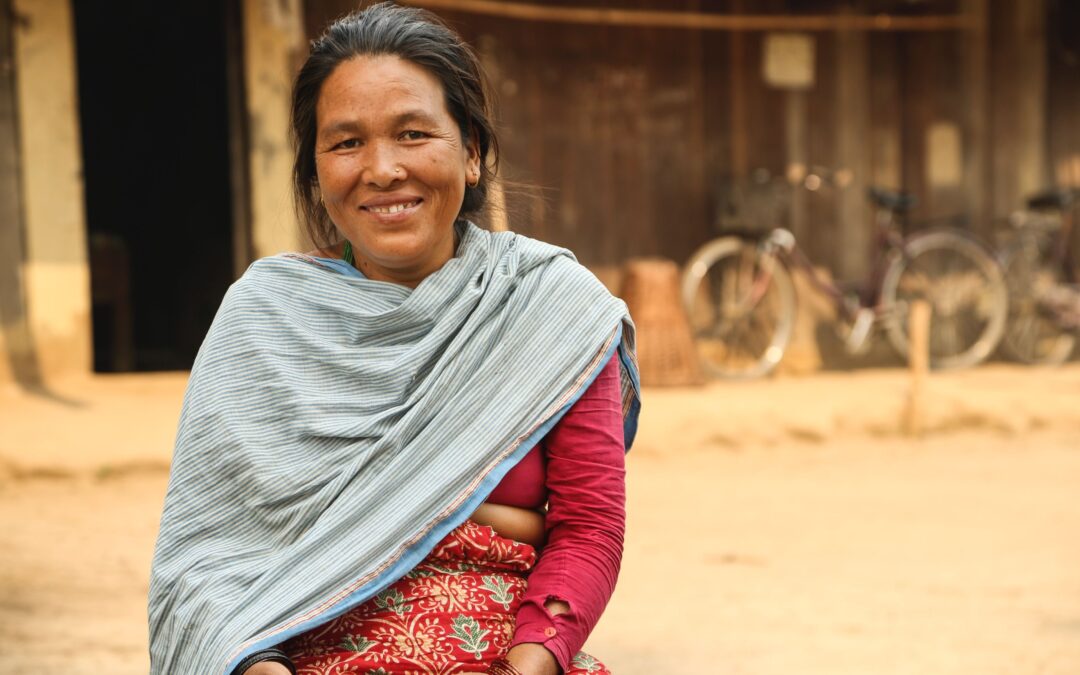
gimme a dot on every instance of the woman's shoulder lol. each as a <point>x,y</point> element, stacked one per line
<point>287,263</point>
<point>265,277</point>
<point>560,265</point>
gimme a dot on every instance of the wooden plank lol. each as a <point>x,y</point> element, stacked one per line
<point>977,156</point>
<point>1018,100</point>
<point>852,124</point>
<point>1031,98</point>
<point>740,161</point>
<point>822,237</point>
<point>1063,95</point>
<point>721,98</point>
<point>885,113</point>
<point>695,229</point>
<point>698,20</point>
<point>920,112</point>
<point>795,135</point>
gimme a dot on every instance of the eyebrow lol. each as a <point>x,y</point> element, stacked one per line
<point>399,120</point>
<point>414,116</point>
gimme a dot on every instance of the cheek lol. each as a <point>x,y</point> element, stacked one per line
<point>452,174</point>
<point>335,174</point>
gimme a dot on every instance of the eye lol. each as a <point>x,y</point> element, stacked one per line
<point>347,144</point>
<point>412,135</point>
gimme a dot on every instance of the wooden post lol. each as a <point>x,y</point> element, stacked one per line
<point>976,79</point>
<point>1019,67</point>
<point>740,163</point>
<point>852,106</point>
<point>55,270</point>
<point>239,170</point>
<point>18,358</point>
<point>272,38</point>
<point>795,129</point>
<point>919,365</point>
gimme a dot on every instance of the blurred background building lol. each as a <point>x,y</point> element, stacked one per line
<point>144,153</point>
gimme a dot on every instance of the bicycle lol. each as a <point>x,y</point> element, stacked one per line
<point>1044,298</point>
<point>740,299</point>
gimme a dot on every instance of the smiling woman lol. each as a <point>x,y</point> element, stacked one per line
<point>403,452</point>
<point>392,166</point>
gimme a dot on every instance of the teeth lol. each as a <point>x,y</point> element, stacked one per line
<point>393,208</point>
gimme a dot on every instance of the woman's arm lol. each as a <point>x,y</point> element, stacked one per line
<point>575,576</point>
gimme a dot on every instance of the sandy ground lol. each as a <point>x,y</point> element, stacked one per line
<point>775,527</point>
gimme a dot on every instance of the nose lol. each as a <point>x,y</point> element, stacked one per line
<point>381,166</point>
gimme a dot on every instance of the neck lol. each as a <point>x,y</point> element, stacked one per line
<point>409,276</point>
<point>403,277</point>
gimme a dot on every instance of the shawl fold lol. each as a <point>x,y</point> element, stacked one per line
<point>334,429</point>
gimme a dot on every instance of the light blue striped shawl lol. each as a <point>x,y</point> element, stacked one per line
<point>335,428</point>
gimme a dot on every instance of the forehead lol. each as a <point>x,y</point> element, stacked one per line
<point>368,89</point>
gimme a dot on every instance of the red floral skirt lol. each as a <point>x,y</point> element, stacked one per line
<point>453,613</point>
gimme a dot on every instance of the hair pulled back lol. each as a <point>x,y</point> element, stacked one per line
<point>415,35</point>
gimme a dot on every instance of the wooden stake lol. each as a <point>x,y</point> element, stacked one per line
<point>919,365</point>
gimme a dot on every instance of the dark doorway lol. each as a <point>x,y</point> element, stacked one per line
<point>153,100</point>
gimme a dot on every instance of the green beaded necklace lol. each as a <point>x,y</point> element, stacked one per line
<point>347,254</point>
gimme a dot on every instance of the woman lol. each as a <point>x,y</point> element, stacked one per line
<point>371,433</point>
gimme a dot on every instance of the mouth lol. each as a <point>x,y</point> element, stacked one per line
<point>388,209</point>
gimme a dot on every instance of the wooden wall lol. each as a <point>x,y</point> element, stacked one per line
<point>1063,91</point>
<point>632,136</point>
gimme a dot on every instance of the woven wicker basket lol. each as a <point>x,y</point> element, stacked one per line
<point>666,352</point>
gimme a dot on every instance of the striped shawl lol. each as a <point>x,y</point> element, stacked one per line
<point>335,428</point>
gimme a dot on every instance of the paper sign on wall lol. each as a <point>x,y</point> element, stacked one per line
<point>944,155</point>
<point>788,60</point>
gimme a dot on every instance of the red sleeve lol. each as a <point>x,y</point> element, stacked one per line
<point>586,519</point>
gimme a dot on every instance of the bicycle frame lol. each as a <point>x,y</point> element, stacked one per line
<point>781,243</point>
<point>1060,257</point>
<point>1062,250</point>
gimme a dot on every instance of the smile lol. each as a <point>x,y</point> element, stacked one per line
<point>393,208</point>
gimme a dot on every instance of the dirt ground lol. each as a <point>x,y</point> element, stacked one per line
<point>775,527</point>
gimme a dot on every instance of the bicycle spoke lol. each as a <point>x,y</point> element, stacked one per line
<point>738,312</point>
<point>964,289</point>
<point>1034,333</point>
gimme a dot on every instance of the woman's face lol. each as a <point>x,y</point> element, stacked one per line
<point>392,166</point>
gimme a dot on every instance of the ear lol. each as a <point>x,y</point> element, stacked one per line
<point>472,158</point>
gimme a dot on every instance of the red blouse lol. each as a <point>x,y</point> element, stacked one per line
<point>579,470</point>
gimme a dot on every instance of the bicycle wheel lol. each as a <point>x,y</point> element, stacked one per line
<point>741,307</point>
<point>966,291</point>
<point>1033,334</point>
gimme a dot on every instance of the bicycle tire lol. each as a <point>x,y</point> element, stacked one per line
<point>1031,336</point>
<point>965,287</point>
<point>736,337</point>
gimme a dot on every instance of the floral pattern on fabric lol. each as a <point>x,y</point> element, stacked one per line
<point>453,613</point>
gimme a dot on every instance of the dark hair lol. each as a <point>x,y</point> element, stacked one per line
<point>415,35</point>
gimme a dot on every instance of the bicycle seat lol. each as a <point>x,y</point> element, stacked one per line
<point>892,200</point>
<point>1058,199</point>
